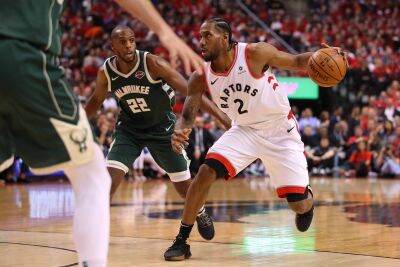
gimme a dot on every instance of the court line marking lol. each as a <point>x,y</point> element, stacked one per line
<point>196,241</point>
<point>43,246</point>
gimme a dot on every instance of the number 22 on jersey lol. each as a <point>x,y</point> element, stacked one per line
<point>138,105</point>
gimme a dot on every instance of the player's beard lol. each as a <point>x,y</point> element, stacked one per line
<point>210,57</point>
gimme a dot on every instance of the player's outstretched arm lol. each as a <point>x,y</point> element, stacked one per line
<point>98,96</point>
<point>159,68</point>
<point>190,108</point>
<point>261,54</point>
<point>145,12</point>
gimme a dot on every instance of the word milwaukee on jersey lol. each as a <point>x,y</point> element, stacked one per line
<point>226,93</point>
<point>132,89</point>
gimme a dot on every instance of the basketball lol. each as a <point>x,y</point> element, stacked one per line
<point>327,67</point>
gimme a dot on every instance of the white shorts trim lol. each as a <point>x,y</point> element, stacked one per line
<point>117,165</point>
<point>179,176</point>
<point>7,163</point>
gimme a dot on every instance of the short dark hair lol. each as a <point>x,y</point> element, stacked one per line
<point>119,28</point>
<point>224,26</point>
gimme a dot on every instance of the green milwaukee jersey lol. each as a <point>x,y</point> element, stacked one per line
<point>146,104</point>
<point>34,21</point>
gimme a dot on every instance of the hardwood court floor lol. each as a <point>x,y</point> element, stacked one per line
<point>356,223</point>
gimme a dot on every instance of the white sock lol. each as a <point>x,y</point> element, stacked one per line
<point>91,184</point>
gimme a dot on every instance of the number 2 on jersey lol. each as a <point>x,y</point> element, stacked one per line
<point>240,108</point>
<point>137,105</point>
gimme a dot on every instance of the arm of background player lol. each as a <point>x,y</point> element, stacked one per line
<point>98,96</point>
<point>159,67</point>
<point>145,12</point>
<point>261,54</point>
<point>190,108</point>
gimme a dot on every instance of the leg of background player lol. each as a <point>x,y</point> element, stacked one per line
<point>195,198</point>
<point>204,221</point>
<point>117,176</point>
<point>182,187</point>
<point>197,193</point>
<point>91,185</point>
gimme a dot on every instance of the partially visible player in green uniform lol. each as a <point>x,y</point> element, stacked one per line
<point>144,86</point>
<point>41,120</point>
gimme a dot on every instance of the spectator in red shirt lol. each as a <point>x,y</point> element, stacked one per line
<point>360,160</point>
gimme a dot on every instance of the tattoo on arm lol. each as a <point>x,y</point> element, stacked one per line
<point>190,109</point>
<point>193,101</point>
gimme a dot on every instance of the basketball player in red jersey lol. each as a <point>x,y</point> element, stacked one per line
<point>239,79</point>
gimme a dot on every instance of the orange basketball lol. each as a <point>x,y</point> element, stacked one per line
<point>327,67</point>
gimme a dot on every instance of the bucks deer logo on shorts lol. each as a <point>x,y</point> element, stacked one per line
<point>79,137</point>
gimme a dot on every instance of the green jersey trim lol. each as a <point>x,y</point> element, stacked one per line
<point>52,94</point>
<point>50,40</point>
<point>107,75</point>
<point>114,68</point>
<point>148,76</point>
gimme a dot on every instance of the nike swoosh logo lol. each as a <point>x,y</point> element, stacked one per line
<point>114,78</point>
<point>167,129</point>
<point>288,130</point>
<point>212,82</point>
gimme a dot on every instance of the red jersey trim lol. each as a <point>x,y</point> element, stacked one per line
<point>228,165</point>
<point>255,76</point>
<point>206,81</point>
<point>283,191</point>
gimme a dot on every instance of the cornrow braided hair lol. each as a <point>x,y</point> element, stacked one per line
<point>224,26</point>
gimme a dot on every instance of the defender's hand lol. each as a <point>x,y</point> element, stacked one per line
<point>179,50</point>
<point>339,50</point>
<point>179,139</point>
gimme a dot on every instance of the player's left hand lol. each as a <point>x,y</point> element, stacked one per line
<point>339,50</point>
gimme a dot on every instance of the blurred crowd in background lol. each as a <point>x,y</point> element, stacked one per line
<point>357,135</point>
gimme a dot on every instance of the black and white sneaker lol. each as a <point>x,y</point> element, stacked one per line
<point>303,221</point>
<point>179,250</point>
<point>205,226</point>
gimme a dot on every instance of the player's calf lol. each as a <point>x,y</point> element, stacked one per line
<point>117,175</point>
<point>303,205</point>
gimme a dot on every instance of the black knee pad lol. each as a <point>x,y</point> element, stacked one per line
<point>294,197</point>
<point>218,167</point>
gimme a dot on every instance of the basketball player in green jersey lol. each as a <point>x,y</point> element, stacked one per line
<point>41,120</point>
<point>141,83</point>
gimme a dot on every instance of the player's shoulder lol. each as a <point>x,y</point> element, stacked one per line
<point>154,60</point>
<point>108,60</point>
<point>254,49</point>
<point>260,53</point>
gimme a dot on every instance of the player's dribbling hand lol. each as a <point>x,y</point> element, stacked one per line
<point>178,49</point>
<point>179,139</point>
<point>339,50</point>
